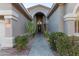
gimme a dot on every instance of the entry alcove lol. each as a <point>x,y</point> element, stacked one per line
<point>40,20</point>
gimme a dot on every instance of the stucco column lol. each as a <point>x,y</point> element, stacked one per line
<point>8,26</point>
<point>46,24</point>
<point>43,28</point>
<point>61,18</point>
<point>69,24</point>
<point>8,41</point>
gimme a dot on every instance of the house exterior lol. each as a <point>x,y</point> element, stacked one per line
<point>39,15</point>
<point>64,18</point>
<point>61,17</point>
<point>12,22</point>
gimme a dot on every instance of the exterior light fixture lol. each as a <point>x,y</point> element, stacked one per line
<point>7,23</point>
<point>39,22</point>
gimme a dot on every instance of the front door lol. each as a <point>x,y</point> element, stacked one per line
<point>39,28</point>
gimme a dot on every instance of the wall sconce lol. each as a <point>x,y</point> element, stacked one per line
<point>39,22</point>
<point>8,23</point>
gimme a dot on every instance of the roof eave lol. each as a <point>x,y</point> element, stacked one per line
<point>53,9</point>
<point>22,9</point>
<point>38,5</point>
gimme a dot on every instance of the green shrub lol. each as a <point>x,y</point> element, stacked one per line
<point>46,34</point>
<point>31,27</point>
<point>74,41</point>
<point>52,40</point>
<point>21,42</point>
<point>63,44</point>
<point>59,42</point>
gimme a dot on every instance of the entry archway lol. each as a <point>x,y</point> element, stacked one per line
<point>40,20</point>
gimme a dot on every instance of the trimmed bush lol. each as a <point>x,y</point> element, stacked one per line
<point>63,44</point>
<point>74,41</point>
<point>21,42</point>
<point>59,42</point>
<point>52,40</point>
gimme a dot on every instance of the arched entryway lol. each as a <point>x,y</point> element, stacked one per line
<point>40,19</point>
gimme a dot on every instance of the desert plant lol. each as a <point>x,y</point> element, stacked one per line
<point>46,34</point>
<point>21,43</point>
<point>31,27</point>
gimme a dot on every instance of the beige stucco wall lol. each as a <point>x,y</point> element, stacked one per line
<point>69,7</point>
<point>18,26</point>
<point>17,22</point>
<point>56,20</point>
<point>5,6</point>
<point>70,17</point>
<point>69,27</point>
<point>5,9</point>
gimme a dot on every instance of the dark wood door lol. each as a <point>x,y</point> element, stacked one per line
<point>39,28</point>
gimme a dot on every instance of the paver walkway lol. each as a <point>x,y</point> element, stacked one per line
<point>40,47</point>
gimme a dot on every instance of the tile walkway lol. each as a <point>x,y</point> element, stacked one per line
<point>40,47</point>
